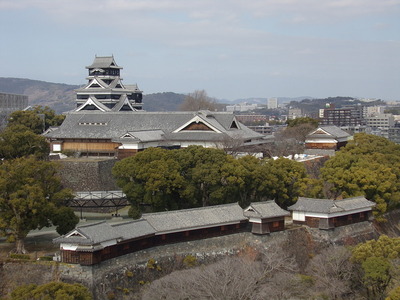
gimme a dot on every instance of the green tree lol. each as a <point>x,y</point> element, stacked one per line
<point>376,276</point>
<point>303,120</point>
<point>52,291</point>
<point>287,180</point>
<point>378,259</point>
<point>27,118</point>
<point>202,168</point>
<point>368,166</point>
<point>38,119</point>
<point>30,192</point>
<point>49,116</point>
<point>18,141</point>
<point>64,219</point>
<point>394,294</point>
<point>152,177</point>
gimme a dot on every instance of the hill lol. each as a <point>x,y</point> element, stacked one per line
<point>311,107</point>
<point>61,97</point>
<point>58,96</point>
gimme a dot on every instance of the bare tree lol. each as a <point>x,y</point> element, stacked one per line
<point>198,100</point>
<point>230,279</point>
<point>232,145</point>
<point>333,272</point>
<point>233,278</point>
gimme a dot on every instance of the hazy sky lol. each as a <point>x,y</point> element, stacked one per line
<point>231,49</point>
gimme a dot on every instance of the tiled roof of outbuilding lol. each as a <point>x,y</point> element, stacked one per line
<point>264,210</point>
<point>331,130</point>
<point>96,233</point>
<point>331,206</point>
<point>178,220</point>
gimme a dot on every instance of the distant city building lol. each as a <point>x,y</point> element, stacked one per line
<point>356,129</point>
<point>380,121</point>
<point>241,107</point>
<point>294,113</point>
<point>252,119</point>
<point>346,116</point>
<point>263,129</point>
<point>394,134</point>
<point>272,103</point>
<point>375,110</point>
<point>10,103</point>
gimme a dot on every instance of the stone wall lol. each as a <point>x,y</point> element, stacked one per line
<point>14,274</point>
<point>88,174</point>
<point>127,273</point>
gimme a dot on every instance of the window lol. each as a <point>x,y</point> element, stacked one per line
<point>56,147</point>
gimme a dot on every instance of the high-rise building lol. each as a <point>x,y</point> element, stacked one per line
<point>345,116</point>
<point>10,103</point>
<point>272,103</point>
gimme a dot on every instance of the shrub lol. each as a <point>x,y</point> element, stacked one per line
<point>20,256</point>
<point>151,264</point>
<point>129,274</point>
<point>46,258</point>
<point>190,261</point>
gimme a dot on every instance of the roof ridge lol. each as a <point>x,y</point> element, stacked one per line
<point>91,224</point>
<point>191,209</point>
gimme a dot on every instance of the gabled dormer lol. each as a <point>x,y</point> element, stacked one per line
<point>96,84</point>
<point>197,123</point>
<point>234,125</point>
<point>93,104</point>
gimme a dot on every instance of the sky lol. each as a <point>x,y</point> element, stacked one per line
<point>232,49</point>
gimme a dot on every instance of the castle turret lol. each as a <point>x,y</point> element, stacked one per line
<point>105,91</point>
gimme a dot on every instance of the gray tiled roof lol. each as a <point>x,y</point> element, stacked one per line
<point>103,62</point>
<point>332,130</point>
<point>265,209</point>
<point>94,233</point>
<point>331,206</point>
<point>116,124</point>
<point>178,220</point>
<point>99,232</point>
<point>134,229</point>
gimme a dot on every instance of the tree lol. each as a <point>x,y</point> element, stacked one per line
<point>27,118</point>
<point>198,100</point>
<point>370,166</point>
<point>332,271</point>
<point>52,291</point>
<point>250,276</point>
<point>38,119</point>
<point>379,260</point>
<point>202,169</point>
<point>376,276</point>
<point>303,120</point>
<point>64,219</point>
<point>231,278</point>
<point>49,116</point>
<point>289,180</point>
<point>152,177</point>
<point>18,141</point>
<point>394,294</point>
<point>30,192</point>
